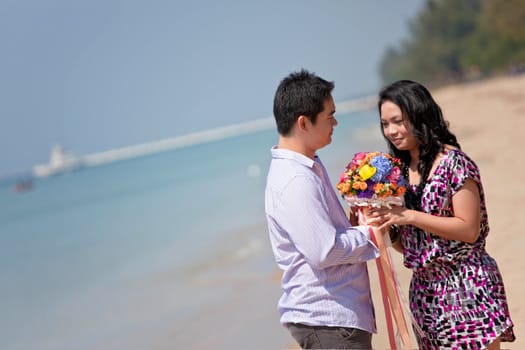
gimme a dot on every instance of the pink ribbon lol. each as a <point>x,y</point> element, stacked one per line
<point>390,294</point>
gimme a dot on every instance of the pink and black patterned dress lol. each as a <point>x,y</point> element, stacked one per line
<point>457,295</point>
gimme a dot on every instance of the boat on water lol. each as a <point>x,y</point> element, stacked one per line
<point>60,161</point>
<point>23,185</point>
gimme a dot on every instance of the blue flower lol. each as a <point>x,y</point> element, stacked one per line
<point>383,168</point>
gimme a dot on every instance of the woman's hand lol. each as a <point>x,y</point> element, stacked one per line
<point>358,216</point>
<point>383,218</point>
<point>368,216</point>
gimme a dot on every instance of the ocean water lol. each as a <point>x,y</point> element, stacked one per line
<point>159,252</point>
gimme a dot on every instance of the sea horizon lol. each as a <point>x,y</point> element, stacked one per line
<point>363,103</point>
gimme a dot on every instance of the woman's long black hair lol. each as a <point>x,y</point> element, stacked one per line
<point>423,117</point>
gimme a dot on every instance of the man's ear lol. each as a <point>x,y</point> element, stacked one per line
<point>302,121</point>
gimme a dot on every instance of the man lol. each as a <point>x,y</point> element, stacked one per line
<point>326,300</point>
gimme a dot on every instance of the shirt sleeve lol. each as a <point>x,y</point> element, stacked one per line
<point>305,216</point>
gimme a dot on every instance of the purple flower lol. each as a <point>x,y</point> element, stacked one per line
<point>369,192</point>
<point>402,181</point>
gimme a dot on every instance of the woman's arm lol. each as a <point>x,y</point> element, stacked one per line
<point>463,226</point>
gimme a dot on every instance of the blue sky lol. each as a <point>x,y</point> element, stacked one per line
<point>94,75</point>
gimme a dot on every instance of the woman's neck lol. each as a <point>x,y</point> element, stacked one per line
<point>414,157</point>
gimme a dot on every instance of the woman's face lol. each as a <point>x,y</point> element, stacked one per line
<point>396,128</point>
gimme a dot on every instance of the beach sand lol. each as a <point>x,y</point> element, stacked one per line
<point>488,117</point>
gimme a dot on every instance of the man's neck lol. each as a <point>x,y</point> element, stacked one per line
<point>296,146</point>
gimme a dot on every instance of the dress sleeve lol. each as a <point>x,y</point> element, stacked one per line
<point>461,168</point>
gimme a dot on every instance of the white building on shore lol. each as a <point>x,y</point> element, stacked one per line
<point>60,161</point>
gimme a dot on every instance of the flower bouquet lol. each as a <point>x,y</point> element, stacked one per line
<point>373,179</point>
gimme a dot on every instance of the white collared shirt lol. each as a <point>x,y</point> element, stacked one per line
<point>325,280</point>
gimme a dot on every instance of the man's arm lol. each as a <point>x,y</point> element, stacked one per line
<point>304,214</point>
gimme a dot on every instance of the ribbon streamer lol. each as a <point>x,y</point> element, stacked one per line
<point>390,293</point>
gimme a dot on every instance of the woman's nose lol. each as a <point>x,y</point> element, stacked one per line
<point>391,130</point>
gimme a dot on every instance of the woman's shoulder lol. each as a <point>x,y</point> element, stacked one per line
<point>460,165</point>
<point>455,154</point>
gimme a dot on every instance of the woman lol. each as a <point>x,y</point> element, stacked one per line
<point>457,295</point>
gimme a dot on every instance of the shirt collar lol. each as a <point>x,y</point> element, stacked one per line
<point>284,153</point>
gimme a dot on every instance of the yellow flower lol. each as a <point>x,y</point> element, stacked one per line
<point>366,172</point>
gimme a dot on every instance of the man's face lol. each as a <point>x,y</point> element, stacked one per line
<point>320,133</point>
